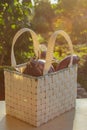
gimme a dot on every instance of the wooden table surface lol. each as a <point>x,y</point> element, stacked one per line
<point>75,119</point>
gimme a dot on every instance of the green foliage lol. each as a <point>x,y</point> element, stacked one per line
<point>43,17</point>
<point>41,39</point>
<point>13,16</point>
<point>29,54</point>
<point>67,5</point>
<point>72,17</point>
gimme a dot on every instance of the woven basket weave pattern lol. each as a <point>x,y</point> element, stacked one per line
<point>37,100</point>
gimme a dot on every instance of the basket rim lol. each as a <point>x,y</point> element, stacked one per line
<point>34,77</point>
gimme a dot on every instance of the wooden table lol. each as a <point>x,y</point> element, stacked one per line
<point>75,119</point>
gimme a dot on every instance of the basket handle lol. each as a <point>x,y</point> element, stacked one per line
<point>35,43</point>
<point>51,44</point>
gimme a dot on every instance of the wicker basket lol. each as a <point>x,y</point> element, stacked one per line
<point>38,99</point>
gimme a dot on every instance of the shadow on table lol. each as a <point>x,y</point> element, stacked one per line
<point>62,122</point>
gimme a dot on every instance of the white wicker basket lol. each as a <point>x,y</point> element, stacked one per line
<point>38,99</point>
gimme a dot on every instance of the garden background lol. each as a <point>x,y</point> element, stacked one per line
<point>44,18</point>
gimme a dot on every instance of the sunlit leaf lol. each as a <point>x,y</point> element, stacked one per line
<point>13,26</point>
